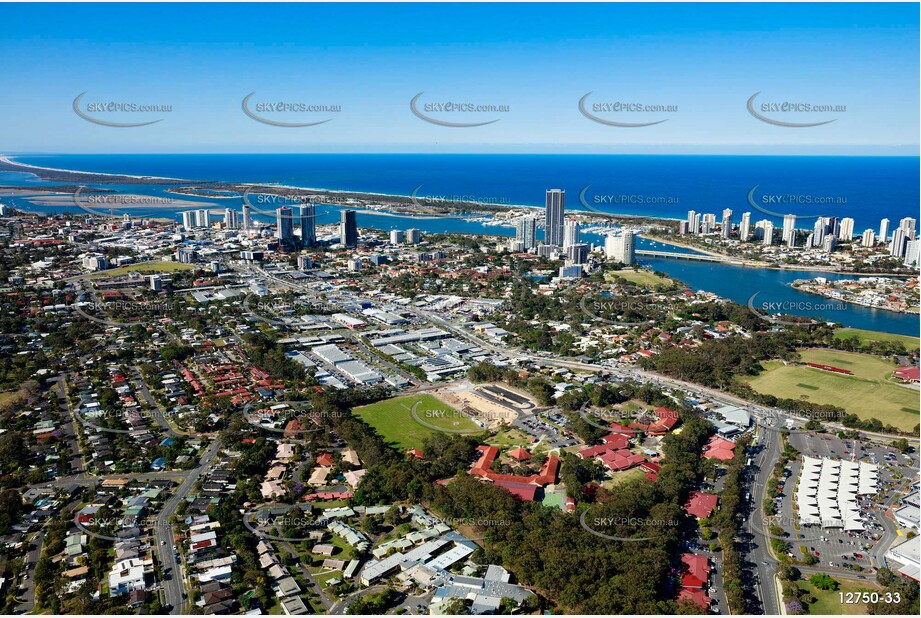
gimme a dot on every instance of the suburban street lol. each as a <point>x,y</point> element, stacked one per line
<point>173,587</point>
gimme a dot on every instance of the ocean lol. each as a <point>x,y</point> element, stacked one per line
<point>866,189</point>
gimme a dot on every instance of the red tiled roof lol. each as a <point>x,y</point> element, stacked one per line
<point>522,491</point>
<point>325,459</point>
<point>698,597</point>
<point>698,571</point>
<point>700,504</point>
<point>520,454</point>
<point>719,448</point>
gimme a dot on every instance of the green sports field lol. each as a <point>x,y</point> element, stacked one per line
<point>143,267</point>
<point>910,343</point>
<point>828,602</point>
<point>644,278</point>
<point>394,420</point>
<point>863,365</point>
<point>866,394</point>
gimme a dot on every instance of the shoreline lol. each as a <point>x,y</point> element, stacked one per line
<point>6,159</point>
<point>470,207</point>
<point>771,266</point>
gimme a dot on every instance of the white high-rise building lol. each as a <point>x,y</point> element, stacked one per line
<point>231,219</point>
<point>396,237</point>
<point>884,231</point>
<point>526,232</point>
<point>913,253</point>
<point>726,226</point>
<point>830,242</point>
<point>620,248</point>
<point>818,232</point>
<point>768,233</point>
<point>789,227</point>
<point>413,236</point>
<point>203,218</point>
<point>745,228</point>
<point>899,240</point>
<point>868,239</point>
<point>846,229</point>
<point>247,218</point>
<point>908,224</point>
<point>577,253</point>
<point>571,234</point>
<point>189,219</point>
<point>693,222</point>
<point>553,217</point>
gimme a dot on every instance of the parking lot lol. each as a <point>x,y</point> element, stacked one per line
<point>835,548</point>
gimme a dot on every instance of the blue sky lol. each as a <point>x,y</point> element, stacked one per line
<point>537,59</point>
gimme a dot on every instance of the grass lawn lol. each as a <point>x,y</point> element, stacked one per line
<point>829,601</point>
<point>145,267</point>
<point>891,404</point>
<point>645,278</point>
<point>506,437</point>
<point>393,419</point>
<point>863,365</point>
<point>911,343</point>
<point>623,477</point>
<point>322,579</point>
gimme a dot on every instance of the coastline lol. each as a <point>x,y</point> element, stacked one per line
<point>214,185</point>
<point>7,160</point>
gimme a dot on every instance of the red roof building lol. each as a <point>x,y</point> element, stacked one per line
<point>547,475</point>
<point>519,454</point>
<point>700,504</point>
<point>698,571</point>
<point>618,461</point>
<point>696,596</point>
<point>414,452</point>
<point>325,459</point>
<point>907,374</point>
<point>522,491</point>
<point>719,448</point>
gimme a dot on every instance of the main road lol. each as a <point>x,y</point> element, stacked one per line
<point>173,587</point>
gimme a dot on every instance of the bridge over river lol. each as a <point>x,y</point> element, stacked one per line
<point>701,257</point>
